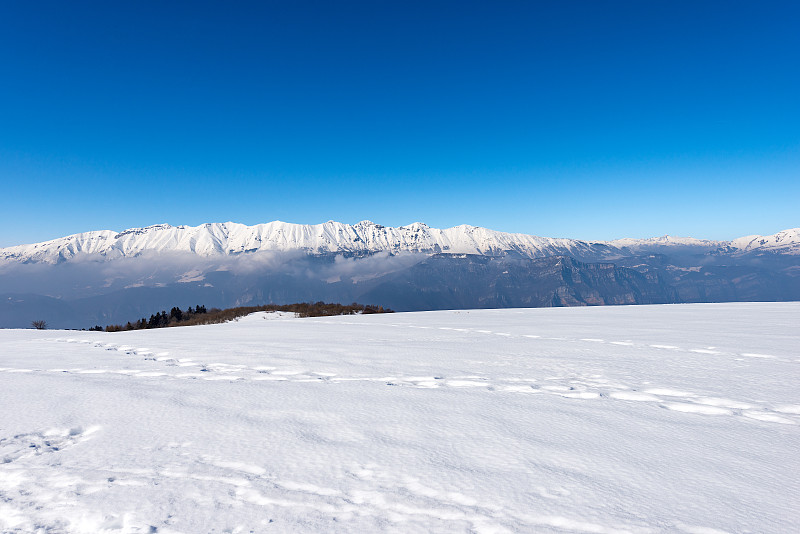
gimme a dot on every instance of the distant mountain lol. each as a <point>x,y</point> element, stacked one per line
<point>666,242</point>
<point>106,277</point>
<point>226,239</point>
<point>785,242</point>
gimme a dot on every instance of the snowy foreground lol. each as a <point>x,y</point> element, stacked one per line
<point>678,418</point>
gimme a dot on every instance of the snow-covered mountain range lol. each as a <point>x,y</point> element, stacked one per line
<point>220,239</point>
<point>331,237</point>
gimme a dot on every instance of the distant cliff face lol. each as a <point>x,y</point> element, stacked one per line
<point>761,276</point>
<point>444,281</point>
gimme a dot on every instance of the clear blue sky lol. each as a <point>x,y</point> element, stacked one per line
<point>592,120</point>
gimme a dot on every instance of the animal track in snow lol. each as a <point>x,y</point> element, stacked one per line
<point>696,408</point>
<point>634,396</point>
<point>582,388</point>
<point>585,388</point>
<point>21,446</point>
<point>756,355</point>
<point>711,351</point>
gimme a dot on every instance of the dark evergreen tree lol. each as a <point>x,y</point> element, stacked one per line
<point>176,313</point>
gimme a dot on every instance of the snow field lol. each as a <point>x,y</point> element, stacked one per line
<point>678,418</point>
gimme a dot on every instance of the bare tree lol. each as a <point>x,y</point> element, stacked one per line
<point>39,325</point>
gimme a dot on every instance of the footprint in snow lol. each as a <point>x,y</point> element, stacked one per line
<point>21,446</point>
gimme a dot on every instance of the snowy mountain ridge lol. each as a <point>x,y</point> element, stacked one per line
<point>786,241</point>
<point>230,238</point>
<point>666,241</point>
<point>365,237</point>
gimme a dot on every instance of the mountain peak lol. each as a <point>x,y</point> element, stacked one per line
<point>144,230</point>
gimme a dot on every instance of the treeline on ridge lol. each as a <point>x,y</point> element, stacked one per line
<point>200,315</point>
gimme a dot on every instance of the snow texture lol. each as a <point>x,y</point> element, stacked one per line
<point>646,419</point>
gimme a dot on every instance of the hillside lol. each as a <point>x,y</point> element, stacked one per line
<point>648,419</point>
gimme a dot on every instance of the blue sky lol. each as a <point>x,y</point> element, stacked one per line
<point>592,120</point>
